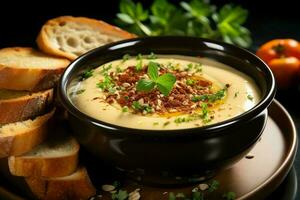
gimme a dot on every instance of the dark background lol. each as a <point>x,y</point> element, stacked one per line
<point>20,22</point>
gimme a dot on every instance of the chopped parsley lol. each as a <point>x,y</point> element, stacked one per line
<point>214,185</point>
<point>190,82</point>
<point>155,123</point>
<point>105,69</point>
<point>236,94</point>
<point>112,90</point>
<point>189,67</point>
<point>136,105</point>
<point>139,57</point>
<point>198,67</point>
<point>125,58</point>
<point>77,92</point>
<point>172,196</point>
<point>166,123</point>
<point>250,97</point>
<point>120,195</point>
<point>229,196</point>
<point>125,109</point>
<point>205,116</point>
<point>87,74</point>
<point>151,56</point>
<point>139,65</point>
<point>118,69</point>
<point>210,97</point>
<point>106,84</point>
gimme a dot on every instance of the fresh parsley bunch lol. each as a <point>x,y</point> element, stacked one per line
<point>195,18</point>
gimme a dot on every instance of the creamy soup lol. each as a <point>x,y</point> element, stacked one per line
<point>163,92</point>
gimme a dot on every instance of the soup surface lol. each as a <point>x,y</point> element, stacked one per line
<point>163,92</point>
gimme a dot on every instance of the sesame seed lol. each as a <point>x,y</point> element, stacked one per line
<point>108,188</point>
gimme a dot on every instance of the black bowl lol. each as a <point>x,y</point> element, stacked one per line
<point>187,154</point>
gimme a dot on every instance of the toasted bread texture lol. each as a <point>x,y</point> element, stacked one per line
<point>56,157</point>
<point>20,137</point>
<point>70,37</point>
<point>21,105</point>
<point>23,68</point>
<point>75,186</point>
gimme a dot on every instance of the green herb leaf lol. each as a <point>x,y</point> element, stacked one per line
<point>117,184</point>
<point>148,109</point>
<point>125,57</point>
<point>190,82</point>
<point>197,196</point>
<point>153,70</point>
<point>229,22</point>
<point>77,92</point>
<point>105,69</point>
<point>136,105</point>
<point>250,97</point>
<point>229,196</point>
<point>197,18</point>
<point>87,74</point>
<point>125,109</point>
<point>204,111</point>
<point>125,18</point>
<point>214,185</point>
<point>172,196</point>
<point>151,56</point>
<point>165,83</point>
<point>210,97</point>
<point>139,65</point>
<point>145,85</point>
<point>106,84</point>
<point>120,195</point>
<point>118,69</point>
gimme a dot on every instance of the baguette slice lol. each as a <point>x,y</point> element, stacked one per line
<point>21,137</point>
<point>70,37</point>
<point>56,157</point>
<point>21,105</point>
<point>23,68</point>
<point>75,186</point>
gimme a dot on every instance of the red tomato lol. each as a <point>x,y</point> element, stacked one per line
<point>283,57</point>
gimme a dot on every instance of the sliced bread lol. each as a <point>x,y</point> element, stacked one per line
<point>21,105</point>
<point>75,186</point>
<point>71,37</point>
<point>20,137</point>
<point>23,68</point>
<point>56,157</point>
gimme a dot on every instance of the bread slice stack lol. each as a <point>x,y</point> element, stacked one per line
<point>51,170</point>
<point>27,79</point>
<point>45,159</point>
<point>26,95</point>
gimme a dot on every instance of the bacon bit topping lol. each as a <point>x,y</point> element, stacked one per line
<point>188,93</point>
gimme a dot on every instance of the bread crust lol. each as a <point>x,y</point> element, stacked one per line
<point>25,107</point>
<point>73,187</point>
<point>45,44</point>
<point>42,166</point>
<point>23,141</point>
<point>16,77</point>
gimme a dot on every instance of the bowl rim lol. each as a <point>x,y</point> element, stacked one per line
<point>215,127</point>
